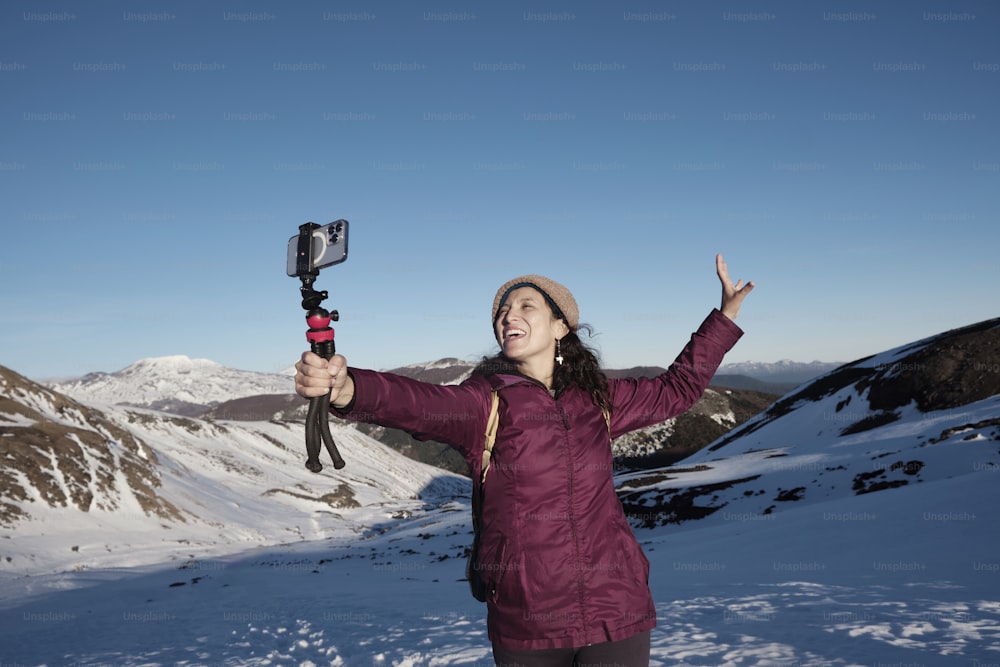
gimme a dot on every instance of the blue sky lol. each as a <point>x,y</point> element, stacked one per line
<point>157,157</point>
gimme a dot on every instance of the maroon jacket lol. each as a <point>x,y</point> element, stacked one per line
<point>557,552</point>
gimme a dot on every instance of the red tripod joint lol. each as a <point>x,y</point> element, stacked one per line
<point>320,336</point>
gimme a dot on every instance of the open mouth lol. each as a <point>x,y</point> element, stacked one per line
<point>512,334</point>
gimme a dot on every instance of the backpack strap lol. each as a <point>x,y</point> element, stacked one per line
<point>477,584</point>
<point>491,434</point>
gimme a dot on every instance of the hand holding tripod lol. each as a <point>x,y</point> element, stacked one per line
<point>314,248</point>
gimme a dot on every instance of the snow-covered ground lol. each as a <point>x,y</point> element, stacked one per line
<point>904,576</point>
<point>891,578</point>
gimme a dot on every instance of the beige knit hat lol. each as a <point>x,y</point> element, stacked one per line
<point>558,297</point>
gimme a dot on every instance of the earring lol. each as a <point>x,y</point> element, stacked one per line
<point>559,357</point>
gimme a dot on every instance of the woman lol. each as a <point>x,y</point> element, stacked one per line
<point>567,581</point>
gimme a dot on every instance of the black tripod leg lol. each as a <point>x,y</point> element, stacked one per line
<point>331,447</point>
<point>317,428</point>
<point>314,417</point>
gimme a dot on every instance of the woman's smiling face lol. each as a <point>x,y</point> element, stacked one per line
<point>526,327</point>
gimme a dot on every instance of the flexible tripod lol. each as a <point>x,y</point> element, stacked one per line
<point>320,336</point>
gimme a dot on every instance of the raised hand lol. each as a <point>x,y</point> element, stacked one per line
<point>732,295</point>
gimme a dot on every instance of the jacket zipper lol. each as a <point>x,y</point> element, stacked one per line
<point>565,421</point>
<point>571,514</point>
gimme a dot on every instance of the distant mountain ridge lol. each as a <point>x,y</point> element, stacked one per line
<point>176,384</point>
<point>777,377</point>
<point>191,387</point>
<point>202,388</point>
<point>783,372</point>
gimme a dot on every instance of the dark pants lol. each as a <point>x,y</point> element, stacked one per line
<point>631,652</point>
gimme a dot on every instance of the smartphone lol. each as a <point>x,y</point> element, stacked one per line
<point>327,246</point>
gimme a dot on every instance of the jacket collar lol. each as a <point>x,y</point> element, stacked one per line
<point>503,380</point>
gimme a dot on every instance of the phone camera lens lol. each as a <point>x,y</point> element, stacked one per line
<point>334,238</point>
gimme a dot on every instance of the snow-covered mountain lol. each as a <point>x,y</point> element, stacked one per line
<point>116,480</point>
<point>191,387</point>
<point>175,384</point>
<point>443,371</point>
<point>852,523</point>
<point>202,388</point>
<point>921,413</point>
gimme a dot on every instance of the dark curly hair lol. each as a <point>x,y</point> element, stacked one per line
<point>581,367</point>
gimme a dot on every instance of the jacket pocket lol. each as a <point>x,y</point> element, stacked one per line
<point>638,563</point>
<point>635,558</point>
<point>496,569</point>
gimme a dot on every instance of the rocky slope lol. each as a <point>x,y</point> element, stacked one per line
<point>62,453</point>
<point>924,412</point>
